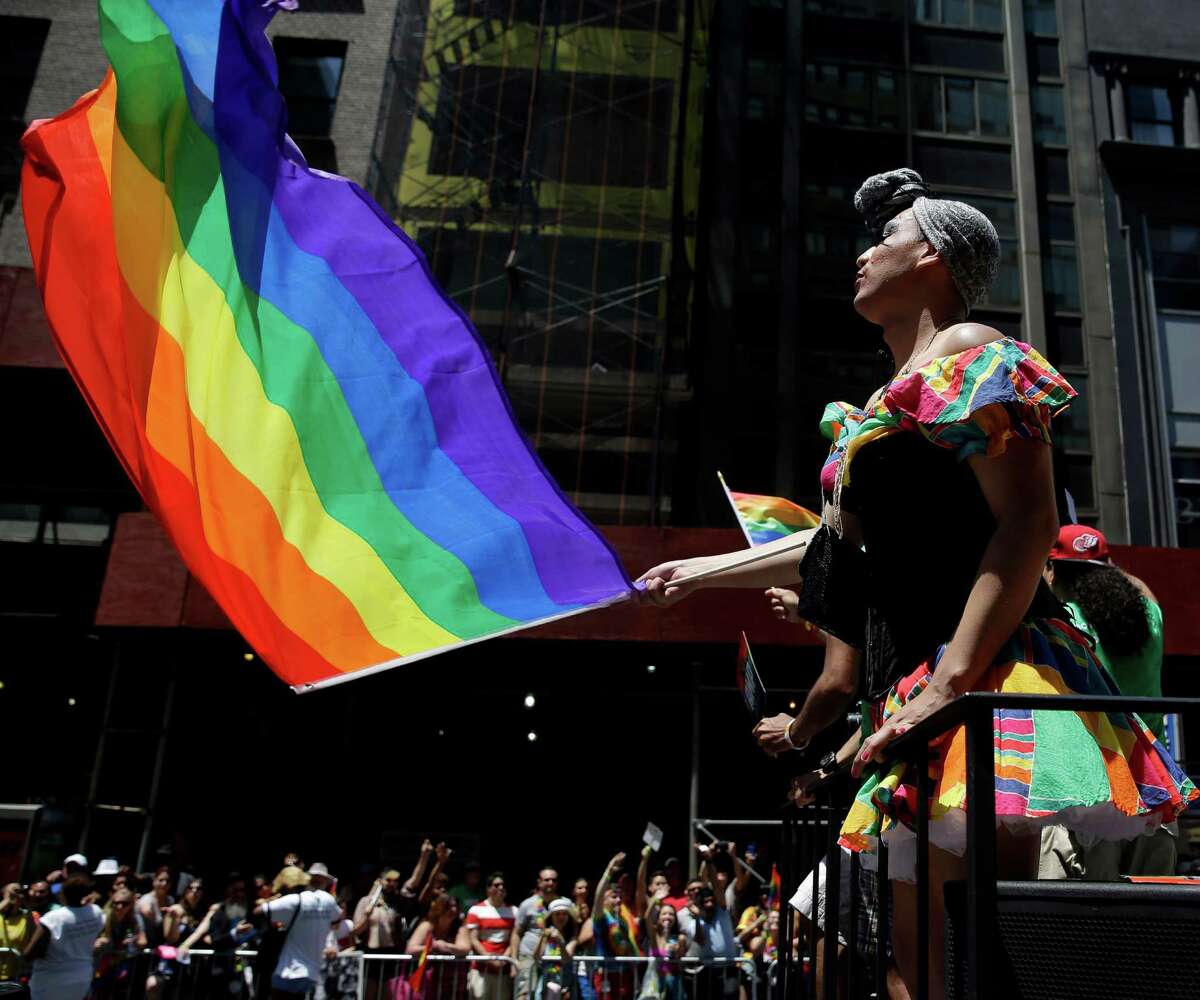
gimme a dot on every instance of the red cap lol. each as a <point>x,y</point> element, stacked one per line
<point>1080,543</point>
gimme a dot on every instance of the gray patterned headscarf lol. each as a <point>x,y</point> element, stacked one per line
<point>962,235</point>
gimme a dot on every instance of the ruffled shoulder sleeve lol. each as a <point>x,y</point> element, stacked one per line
<point>974,401</point>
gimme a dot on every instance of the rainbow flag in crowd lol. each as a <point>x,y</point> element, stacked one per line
<point>764,519</point>
<point>317,426</point>
<point>774,889</point>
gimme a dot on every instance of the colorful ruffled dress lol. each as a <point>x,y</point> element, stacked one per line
<point>899,468</point>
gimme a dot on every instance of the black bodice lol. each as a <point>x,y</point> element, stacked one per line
<point>925,524</point>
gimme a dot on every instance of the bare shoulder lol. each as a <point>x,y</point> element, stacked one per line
<point>965,336</point>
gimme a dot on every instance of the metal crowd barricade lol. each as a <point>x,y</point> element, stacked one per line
<point>699,979</point>
<point>442,977</point>
<point>204,973</point>
<point>977,957</point>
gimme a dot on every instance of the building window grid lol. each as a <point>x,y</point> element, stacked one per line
<point>877,88</point>
<point>979,15</point>
<point>940,98</point>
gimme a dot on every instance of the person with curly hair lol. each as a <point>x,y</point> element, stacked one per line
<point>1125,622</point>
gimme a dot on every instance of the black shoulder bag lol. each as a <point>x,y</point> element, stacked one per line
<point>270,947</point>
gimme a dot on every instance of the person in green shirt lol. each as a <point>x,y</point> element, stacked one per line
<point>1121,616</point>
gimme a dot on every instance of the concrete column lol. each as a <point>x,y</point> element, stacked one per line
<point>1025,174</point>
<point>1115,74</point>
<point>1191,109</point>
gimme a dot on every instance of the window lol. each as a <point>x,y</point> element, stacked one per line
<point>1073,430</point>
<point>1043,58</point>
<point>987,15</point>
<point>960,49</point>
<point>948,163</point>
<point>1060,276</point>
<point>1053,171</point>
<point>1175,259</point>
<point>21,43</point>
<point>1041,18</point>
<point>1049,115</point>
<point>851,95</point>
<point>310,76</point>
<point>1151,114</point>
<point>1065,336</point>
<point>960,105</point>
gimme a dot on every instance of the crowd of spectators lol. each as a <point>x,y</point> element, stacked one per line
<point>113,933</point>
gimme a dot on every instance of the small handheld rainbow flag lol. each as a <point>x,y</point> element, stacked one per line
<point>764,519</point>
<point>774,889</point>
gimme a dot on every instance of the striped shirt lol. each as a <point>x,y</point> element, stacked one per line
<point>495,925</point>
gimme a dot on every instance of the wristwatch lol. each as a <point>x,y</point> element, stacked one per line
<point>828,763</point>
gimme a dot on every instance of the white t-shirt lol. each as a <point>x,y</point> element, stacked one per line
<point>305,944</point>
<point>340,936</point>
<point>73,931</point>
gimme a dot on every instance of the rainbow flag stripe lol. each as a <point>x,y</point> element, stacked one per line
<point>315,423</point>
<point>764,519</point>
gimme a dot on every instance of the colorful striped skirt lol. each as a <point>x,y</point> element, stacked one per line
<point>1100,774</point>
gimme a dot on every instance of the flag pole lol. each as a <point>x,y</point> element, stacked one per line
<point>737,514</point>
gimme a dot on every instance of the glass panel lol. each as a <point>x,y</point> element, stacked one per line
<point>1058,222</point>
<point>1060,274</point>
<point>1073,429</point>
<point>946,48</point>
<point>1179,340</point>
<point>1006,289</point>
<point>993,107</point>
<point>1077,479</point>
<point>1066,342</point>
<point>1043,57</point>
<point>1054,175</point>
<point>928,10</point>
<point>956,12</point>
<point>1041,17</point>
<point>948,163</point>
<point>310,75</point>
<point>1049,115</point>
<point>989,14</point>
<point>960,105</point>
<point>1186,470</point>
<point>927,102</point>
<point>1151,115</point>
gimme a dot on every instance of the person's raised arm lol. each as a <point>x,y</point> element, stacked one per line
<point>742,866</point>
<point>441,856</point>
<point>775,564</point>
<point>1019,487</point>
<point>831,694</point>
<point>708,872</point>
<point>641,894</point>
<point>418,873</point>
<point>605,881</point>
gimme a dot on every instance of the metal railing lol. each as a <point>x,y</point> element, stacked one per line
<point>698,978</point>
<point>391,976</point>
<point>808,828</point>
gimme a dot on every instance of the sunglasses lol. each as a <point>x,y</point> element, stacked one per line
<point>121,903</point>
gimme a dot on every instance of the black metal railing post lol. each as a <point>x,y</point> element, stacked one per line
<point>923,930</point>
<point>833,892</point>
<point>981,848</point>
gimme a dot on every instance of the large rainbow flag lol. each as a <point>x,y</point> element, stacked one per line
<point>764,519</point>
<point>315,423</point>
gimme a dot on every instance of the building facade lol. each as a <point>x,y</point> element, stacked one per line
<point>645,209</point>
